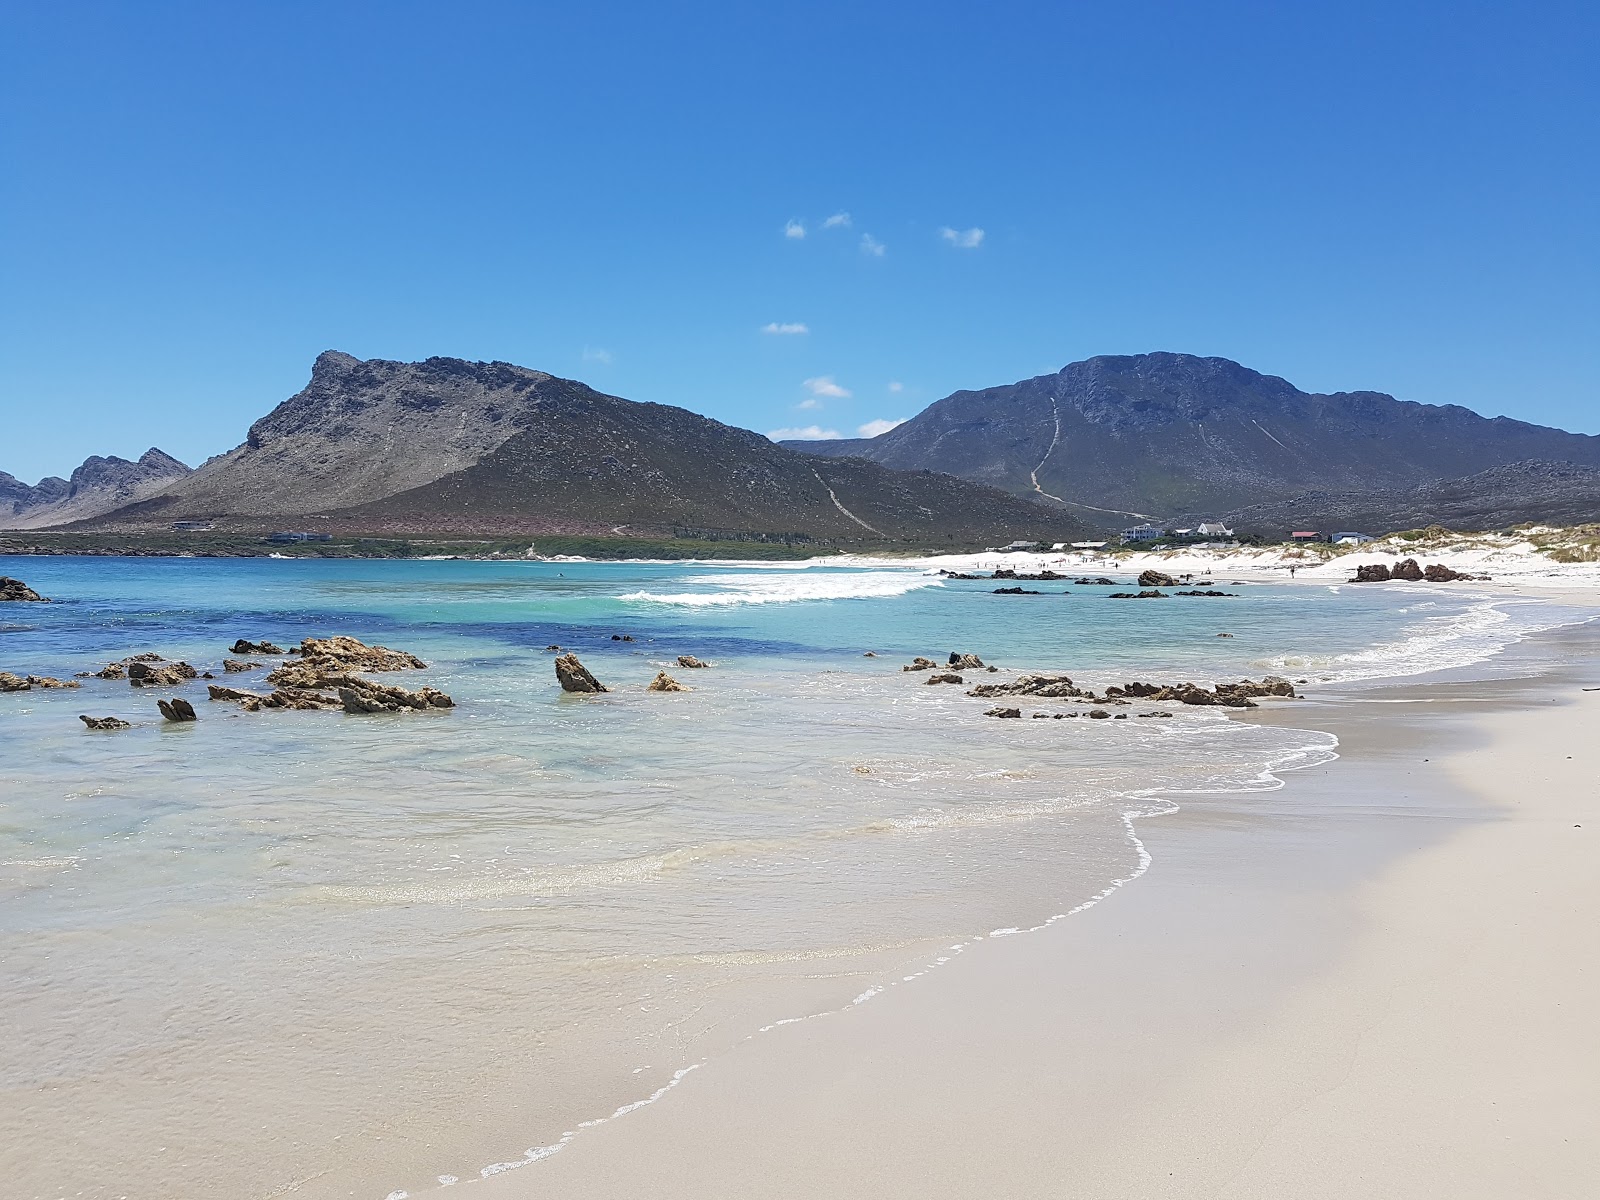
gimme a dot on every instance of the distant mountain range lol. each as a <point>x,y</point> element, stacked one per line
<point>99,486</point>
<point>491,448</point>
<point>1166,434</point>
<point>470,448</point>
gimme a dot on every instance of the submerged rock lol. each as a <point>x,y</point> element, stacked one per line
<point>104,722</point>
<point>1016,591</point>
<point>1211,592</point>
<point>921,664</point>
<point>575,677</point>
<point>1149,594</point>
<point>1004,712</point>
<point>236,665</point>
<point>944,677</point>
<point>1155,579</point>
<point>15,590</point>
<point>665,683</point>
<point>690,662</point>
<point>1097,581</point>
<point>176,709</point>
<point>1098,714</point>
<point>365,696</point>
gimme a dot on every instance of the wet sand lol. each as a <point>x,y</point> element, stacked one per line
<point>1378,981</point>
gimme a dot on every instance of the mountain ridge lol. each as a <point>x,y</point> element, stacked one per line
<point>97,486</point>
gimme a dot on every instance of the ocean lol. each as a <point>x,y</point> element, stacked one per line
<point>328,954</point>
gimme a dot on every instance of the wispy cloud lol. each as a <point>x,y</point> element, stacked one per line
<point>964,239</point>
<point>794,229</point>
<point>809,404</point>
<point>810,433</point>
<point>896,386</point>
<point>871,245</point>
<point>823,385</point>
<point>597,354</point>
<point>874,428</point>
<point>839,220</point>
<point>785,327</point>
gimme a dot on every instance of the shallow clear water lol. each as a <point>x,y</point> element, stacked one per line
<point>311,949</point>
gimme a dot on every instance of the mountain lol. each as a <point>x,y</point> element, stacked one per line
<point>446,445</point>
<point>1154,434</point>
<point>97,487</point>
<point>1549,493</point>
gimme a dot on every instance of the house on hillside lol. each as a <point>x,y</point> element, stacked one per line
<point>1142,533</point>
<point>1014,547</point>
<point>1306,535</point>
<point>1214,529</point>
<point>1352,539</point>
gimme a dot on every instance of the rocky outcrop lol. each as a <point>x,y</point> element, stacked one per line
<point>142,673</point>
<point>1055,687</point>
<point>665,683</point>
<point>1227,695</point>
<point>176,709</point>
<point>1155,579</point>
<point>575,677</point>
<point>246,647</point>
<point>1004,713</point>
<point>341,653</point>
<point>1372,573</point>
<point>1037,577</point>
<point>1209,592</point>
<point>920,664</point>
<point>1439,573</point>
<point>15,590</point>
<point>944,677</point>
<point>1097,581</point>
<point>104,722</point>
<point>1148,594</point>
<point>965,662</point>
<point>1407,570</point>
<point>364,696</point>
<point>690,662</point>
<point>352,693</point>
<point>26,683</point>
<point>236,665</point>
<point>1015,591</point>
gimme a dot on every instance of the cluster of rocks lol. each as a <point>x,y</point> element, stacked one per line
<point>341,653</point>
<point>1407,570</point>
<point>1097,581</point>
<point>26,683</point>
<point>1094,714</point>
<point>690,662</point>
<point>958,661</point>
<point>1207,592</point>
<point>1045,576</point>
<point>1147,594</point>
<point>1016,591</point>
<point>1061,687</point>
<point>15,589</point>
<point>1153,579</point>
<point>144,673</point>
<point>575,677</point>
<point>243,647</point>
<point>104,722</point>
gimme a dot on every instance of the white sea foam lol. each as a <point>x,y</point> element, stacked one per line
<point>779,589</point>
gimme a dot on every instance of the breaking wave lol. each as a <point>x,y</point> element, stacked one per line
<point>770,589</point>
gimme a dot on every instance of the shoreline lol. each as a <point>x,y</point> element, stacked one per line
<point>1040,1065</point>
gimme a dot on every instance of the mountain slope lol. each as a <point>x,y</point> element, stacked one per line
<point>1163,433</point>
<point>98,486</point>
<point>452,446</point>
<point>1543,492</point>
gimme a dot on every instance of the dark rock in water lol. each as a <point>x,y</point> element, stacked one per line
<point>1372,573</point>
<point>1039,577</point>
<point>690,662</point>
<point>1226,635</point>
<point>1097,581</point>
<point>1154,579</point>
<point>18,683</point>
<point>1004,712</point>
<point>236,665</point>
<point>552,649</point>
<point>1053,687</point>
<point>1439,573</point>
<point>575,677</point>
<point>1408,570</point>
<point>142,674</point>
<point>665,683</point>
<point>870,654</point>
<point>1016,591</point>
<point>944,677</point>
<point>243,647</point>
<point>920,664</point>
<point>1145,595</point>
<point>218,692</point>
<point>176,709</point>
<point>1099,714</point>
<point>104,722</point>
<point>15,589</point>
<point>965,662</point>
<point>1119,717</point>
<point>1205,593</point>
<point>958,575</point>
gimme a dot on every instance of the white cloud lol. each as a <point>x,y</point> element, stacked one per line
<point>965,239</point>
<point>874,428</point>
<point>871,245</point>
<point>811,433</point>
<point>823,385</point>
<point>597,354</point>
<point>785,327</point>
<point>812,403</point>
<point>896,386</point>
<point>839,220</point>
<point>794,229</point>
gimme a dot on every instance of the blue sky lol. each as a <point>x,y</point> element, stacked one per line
<point>198,198</point>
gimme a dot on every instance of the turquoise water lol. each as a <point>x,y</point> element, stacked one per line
<point>353,955</point>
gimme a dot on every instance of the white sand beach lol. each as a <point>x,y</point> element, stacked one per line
<point>1378,981</point>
